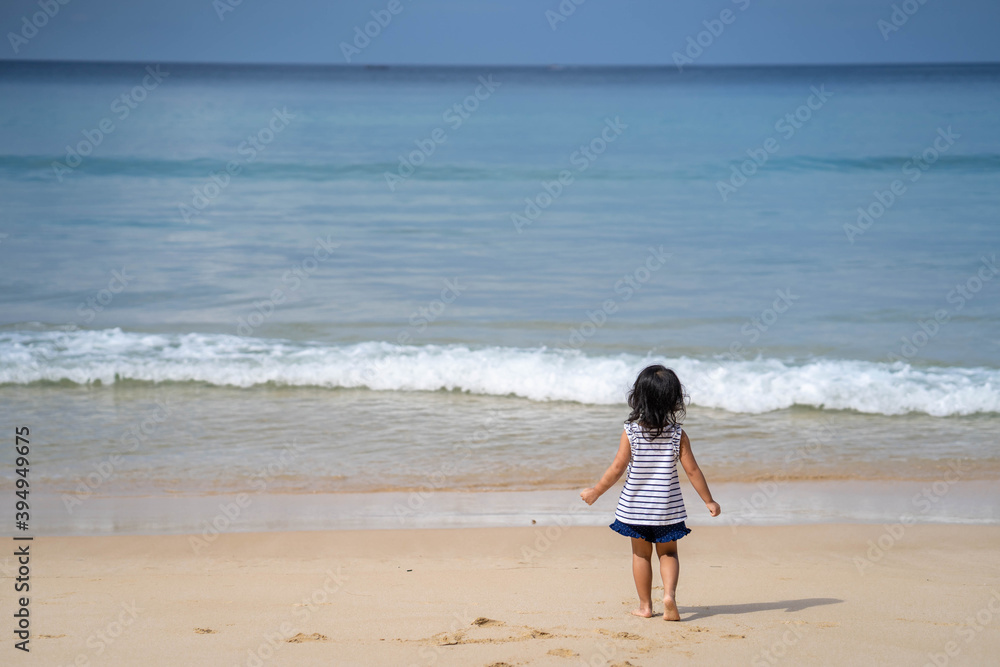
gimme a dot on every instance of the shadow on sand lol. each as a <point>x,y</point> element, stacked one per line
<point>753,607</point>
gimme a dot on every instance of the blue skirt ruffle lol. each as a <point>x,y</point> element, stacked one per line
<point>674,531</point>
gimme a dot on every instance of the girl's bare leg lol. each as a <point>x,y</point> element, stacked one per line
<point>642,572</point>
<point>670,568</point>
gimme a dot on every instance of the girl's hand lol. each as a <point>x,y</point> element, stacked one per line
<point>713,508</point>
<point>589,495</point>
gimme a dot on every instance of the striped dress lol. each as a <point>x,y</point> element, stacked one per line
<point>652,493</point>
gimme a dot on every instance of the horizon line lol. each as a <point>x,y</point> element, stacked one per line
<point>547,66</point>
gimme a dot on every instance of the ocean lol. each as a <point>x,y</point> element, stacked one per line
<point>427,290</point>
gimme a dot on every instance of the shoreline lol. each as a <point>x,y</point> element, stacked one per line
<point>535,595</point>
<point>965,502</point>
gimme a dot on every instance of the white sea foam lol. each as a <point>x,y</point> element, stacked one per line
<point>752,386</point>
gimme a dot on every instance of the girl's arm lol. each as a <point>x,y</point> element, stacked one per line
<point>696,477</point>
<point>612,474</point>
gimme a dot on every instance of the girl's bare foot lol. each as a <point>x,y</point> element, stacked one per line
<point>644,612</point>
<point>670,612</point>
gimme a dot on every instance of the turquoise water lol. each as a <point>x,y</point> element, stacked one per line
<point>338,242</point>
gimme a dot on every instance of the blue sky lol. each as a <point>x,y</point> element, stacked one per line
<point>515,32</point>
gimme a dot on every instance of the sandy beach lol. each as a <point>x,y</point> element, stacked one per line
<point>796,595</point>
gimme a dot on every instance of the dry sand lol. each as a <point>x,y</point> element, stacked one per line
<point>793,595</point>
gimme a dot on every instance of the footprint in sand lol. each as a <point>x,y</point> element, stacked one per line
<point>299,638</point>
<point>453,639</point>
<point>204,631</point>
<point>488,631</point>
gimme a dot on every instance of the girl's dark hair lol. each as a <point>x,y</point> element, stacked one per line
<point>656,399</point>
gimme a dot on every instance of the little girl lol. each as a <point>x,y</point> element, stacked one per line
<point>650,508</point>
